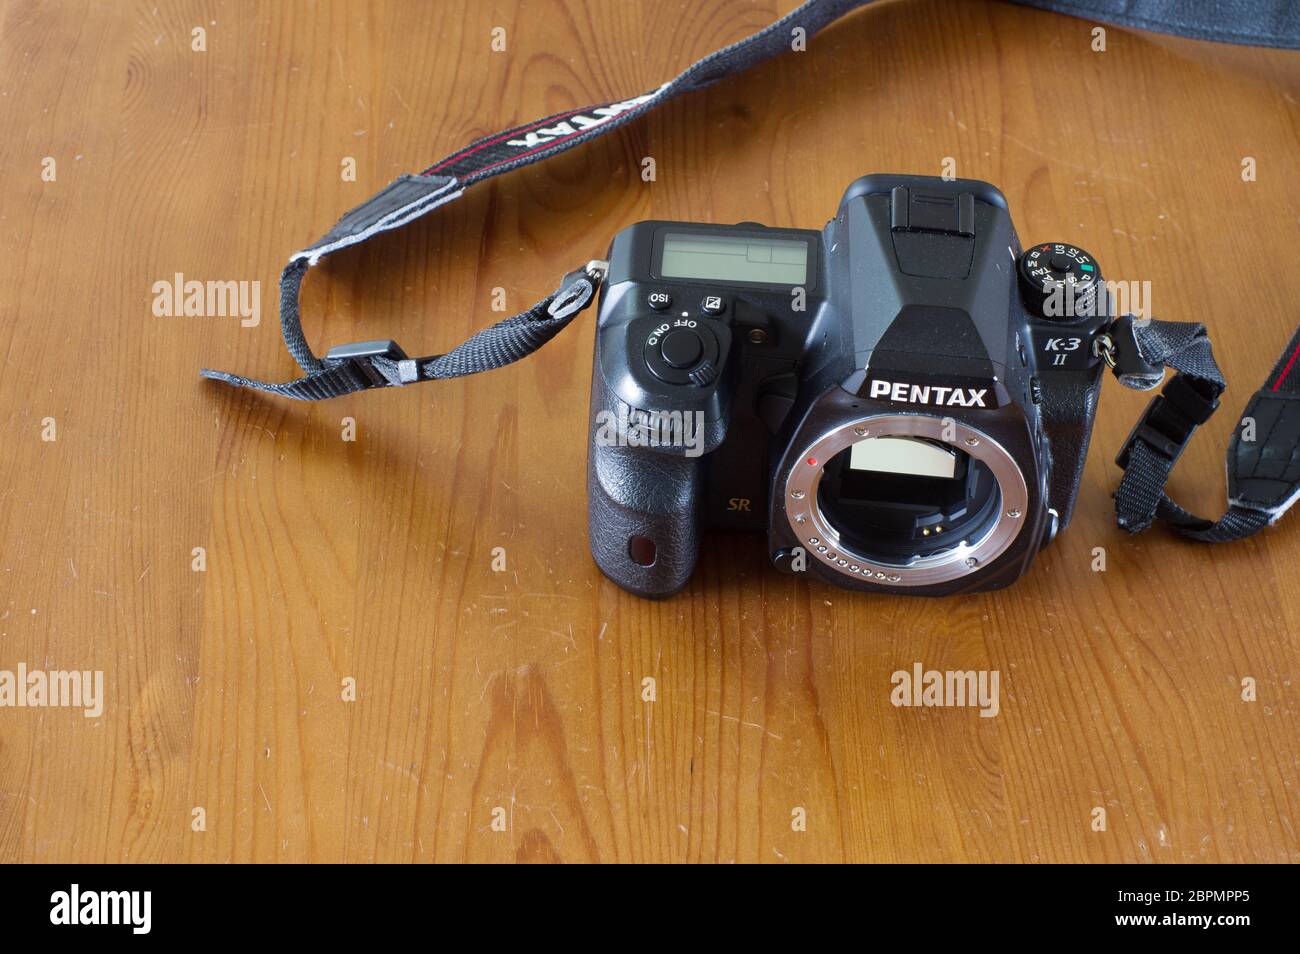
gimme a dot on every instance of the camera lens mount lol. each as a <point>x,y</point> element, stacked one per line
<point>830,545</point>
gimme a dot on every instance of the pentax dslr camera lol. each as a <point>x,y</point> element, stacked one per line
<point>901,401</point>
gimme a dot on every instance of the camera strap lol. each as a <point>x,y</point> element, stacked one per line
<point>377,364</point>
<point>1263,462</point>
<point>366,365</point>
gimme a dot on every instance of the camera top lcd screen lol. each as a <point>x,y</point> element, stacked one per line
<point>734,258</point>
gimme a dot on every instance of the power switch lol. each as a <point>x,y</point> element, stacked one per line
<point>683,351</point>
<point>681,348</point>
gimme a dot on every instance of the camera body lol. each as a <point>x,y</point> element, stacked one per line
<point>902,401</point>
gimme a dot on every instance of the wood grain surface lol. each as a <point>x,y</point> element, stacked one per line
<point>477,690</point>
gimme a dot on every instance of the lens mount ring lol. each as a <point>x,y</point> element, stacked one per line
<point>822,540</point>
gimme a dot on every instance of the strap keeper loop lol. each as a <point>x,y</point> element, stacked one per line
<point>362,355</point>
<point>1189,399</point>
<point>1169,420</point>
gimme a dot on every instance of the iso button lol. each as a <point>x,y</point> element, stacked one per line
<point>659,300</point>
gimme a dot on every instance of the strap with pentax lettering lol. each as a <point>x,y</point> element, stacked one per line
<point>374,364</point>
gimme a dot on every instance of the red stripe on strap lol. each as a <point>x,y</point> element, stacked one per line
<point>553,144</point>
<point>1287,370</point>
<point>493,140</point>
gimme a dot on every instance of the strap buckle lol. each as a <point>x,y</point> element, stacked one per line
<point>382,362</point>
<point>1169,420</point>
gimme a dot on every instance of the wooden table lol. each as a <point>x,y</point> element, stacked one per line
<point>499,715</point>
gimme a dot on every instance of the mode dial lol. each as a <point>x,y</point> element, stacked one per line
<point>1060,281</point>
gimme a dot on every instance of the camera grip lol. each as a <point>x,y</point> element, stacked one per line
<point>644,517</point>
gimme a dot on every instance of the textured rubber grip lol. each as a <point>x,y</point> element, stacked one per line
<point>643,509</point>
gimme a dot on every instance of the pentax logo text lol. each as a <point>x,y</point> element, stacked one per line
<point>904,393</point>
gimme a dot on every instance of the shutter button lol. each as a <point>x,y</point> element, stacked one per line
<point>681,348</point>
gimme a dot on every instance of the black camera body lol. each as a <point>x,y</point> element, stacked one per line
<point>902,401</point>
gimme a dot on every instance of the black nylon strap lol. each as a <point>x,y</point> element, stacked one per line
<point>344,378</point>
<point>1263,456</point>
<point>494,347</point>
<point>1252,22</point>
<point>410,197</point>
<point>1266,22</point>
